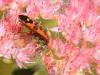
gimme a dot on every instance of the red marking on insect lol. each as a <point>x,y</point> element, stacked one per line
<point>34,26</point>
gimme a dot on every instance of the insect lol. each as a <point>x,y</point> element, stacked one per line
<point>34,26</point>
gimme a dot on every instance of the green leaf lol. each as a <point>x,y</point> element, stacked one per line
<point>25,29</point>
<point>6,69</point>
<point>64,1</point>
<point>54,34</point>
<point>48,23</point>
<point>58,35</point>
<point>41,68</point>
<point>1,14</point>
<point>54,1</point>
<point>93,69</point>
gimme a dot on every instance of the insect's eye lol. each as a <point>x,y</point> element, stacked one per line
<point>25,19</point>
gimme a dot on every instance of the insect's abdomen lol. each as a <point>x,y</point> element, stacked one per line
<point>39,33</point>
<point>42,34</point>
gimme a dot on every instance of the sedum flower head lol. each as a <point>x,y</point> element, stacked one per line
<point>74,41</point>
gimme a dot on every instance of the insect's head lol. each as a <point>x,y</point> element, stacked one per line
<point>25,19</point>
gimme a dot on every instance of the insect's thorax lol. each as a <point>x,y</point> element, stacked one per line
<point>36,28</point>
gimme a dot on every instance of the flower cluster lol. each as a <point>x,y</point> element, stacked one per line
<point>75,47</point>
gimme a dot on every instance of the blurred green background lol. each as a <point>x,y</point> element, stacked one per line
<point>12,69</point>
<point>6,69</point>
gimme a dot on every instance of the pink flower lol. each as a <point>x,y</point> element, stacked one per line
<point>80,26</point>
<point>2,30</point>
<point>44,8</point>
<point>26,55</point>
<point>78,21</point>
<point>5,2</point>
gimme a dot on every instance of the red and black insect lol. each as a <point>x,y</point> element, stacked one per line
<point>34,26</point>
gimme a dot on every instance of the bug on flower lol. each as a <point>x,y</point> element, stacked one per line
<point>34,26</point>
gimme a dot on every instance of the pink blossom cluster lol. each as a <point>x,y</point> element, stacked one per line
<point>79,22</point>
